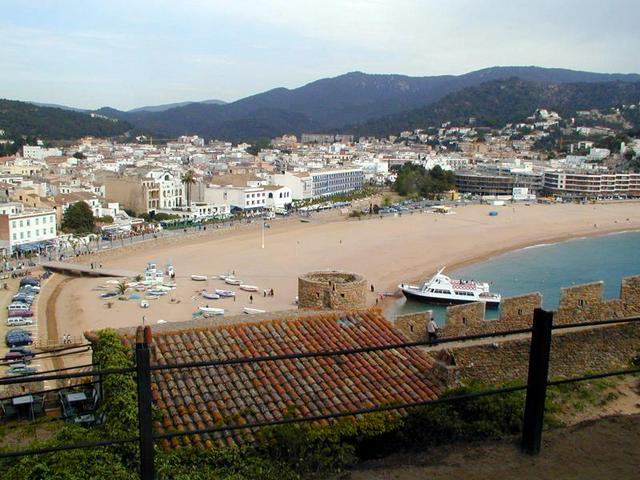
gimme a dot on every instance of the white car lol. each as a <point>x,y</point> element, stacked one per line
<point>19,321</point>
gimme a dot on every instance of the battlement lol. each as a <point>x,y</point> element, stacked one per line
<point>579,303</point>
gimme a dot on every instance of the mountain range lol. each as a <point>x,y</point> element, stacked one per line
<point>368,103</point>
<point>498,102</point>
<point>332,104</point>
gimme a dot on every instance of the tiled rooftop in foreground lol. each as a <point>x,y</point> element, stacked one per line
<point>207,397</point>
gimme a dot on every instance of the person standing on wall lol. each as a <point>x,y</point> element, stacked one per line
<point>432,330</point>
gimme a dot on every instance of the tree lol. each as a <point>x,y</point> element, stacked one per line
<point>188,179</point>
<point>122,287</point>
<point>79,155</point>
<point>78,219</point>
<point>260,144</point>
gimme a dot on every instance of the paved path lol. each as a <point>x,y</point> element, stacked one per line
<point>84,270</point>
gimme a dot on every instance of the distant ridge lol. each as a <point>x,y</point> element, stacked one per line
<point>331,104</point>
<point>162,108</point>
<point>25,119</point>
<point>498,102</point>
<point>352,100</point>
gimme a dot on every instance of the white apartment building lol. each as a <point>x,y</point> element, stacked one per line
<point>36,152</point>
<point>278,197</point>
<point>591,185</point>
<point>320,183</point>
<point>171,188</point>
<point>25,229</point>
<point>243,198</point>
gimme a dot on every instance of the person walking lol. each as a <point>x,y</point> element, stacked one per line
<point>264,293</point>
<point>432,330</point>
<point>250,298</point>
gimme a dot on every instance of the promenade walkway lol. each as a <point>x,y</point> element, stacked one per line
<point>86,270</point>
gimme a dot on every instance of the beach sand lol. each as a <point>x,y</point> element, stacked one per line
<point>386,251</point>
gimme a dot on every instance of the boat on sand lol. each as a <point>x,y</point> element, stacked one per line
<point>212,310</point>
<point>252,311</point>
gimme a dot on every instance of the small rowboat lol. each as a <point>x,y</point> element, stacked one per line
<point>252,311</point>
<point>109,295</point>
<point>249,288</point>
<point>210,296</point>
<point>212,310</point>
<point>225,293</point>
<point>232,281</point>
<point>224,276</point>
<point>156,292</point>
<point>199,278</point>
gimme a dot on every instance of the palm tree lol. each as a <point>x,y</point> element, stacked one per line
<point>122,288</point>
<point>138,278</point>
<point>188,179</point>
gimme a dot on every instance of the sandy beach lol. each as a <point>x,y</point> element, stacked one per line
<point>386,251</point>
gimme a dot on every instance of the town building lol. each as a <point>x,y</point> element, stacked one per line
<point>320,183</point>
<point>25,229</point>
<point>498,182</point>
<point>591,185</point>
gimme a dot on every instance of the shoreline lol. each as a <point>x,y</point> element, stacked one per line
<point>544,243</point>
<point>386,251</point>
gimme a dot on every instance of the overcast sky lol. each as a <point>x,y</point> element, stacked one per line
<point>126,54</point>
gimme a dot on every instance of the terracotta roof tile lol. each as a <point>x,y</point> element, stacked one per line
<point>203,397</point>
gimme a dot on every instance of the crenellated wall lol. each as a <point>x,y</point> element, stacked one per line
<point>573,353</point>
<point>579,303</point>
<point>413,325</point>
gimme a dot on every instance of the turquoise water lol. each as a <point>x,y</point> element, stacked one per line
<point>546,268</point>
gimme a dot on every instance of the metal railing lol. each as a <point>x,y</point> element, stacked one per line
<point>537,382</point>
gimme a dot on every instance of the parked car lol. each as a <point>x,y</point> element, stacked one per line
<point>21,369</point>
<point>18,338</point>
<point>20,298</point>
<point>26,352</point>
<point>19,321</point>
<point>14,357</point>
<point>18,306</point>
<point>26,312</point>
<point>29,288</point>
<point>30,281</point>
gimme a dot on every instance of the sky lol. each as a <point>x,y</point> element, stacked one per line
<point>128,54</point>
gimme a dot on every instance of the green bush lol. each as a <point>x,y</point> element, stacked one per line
<point>476,418</point>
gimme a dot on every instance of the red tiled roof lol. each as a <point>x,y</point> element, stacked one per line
<point>207,397</point>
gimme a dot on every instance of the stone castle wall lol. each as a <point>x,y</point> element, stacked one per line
<point>332,290</point>
<point>573,352</point>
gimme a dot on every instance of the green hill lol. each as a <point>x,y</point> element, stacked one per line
<point>498,102</point>
<point>20,119</point>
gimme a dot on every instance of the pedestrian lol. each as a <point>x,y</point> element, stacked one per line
<point>271,292</point>
<point>264,293</point>
<point>432,330</point>
<point>100,265</point>
<point>372,289</point>
<point>250,298</point>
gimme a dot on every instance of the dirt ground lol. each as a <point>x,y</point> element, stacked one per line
<point>608,448</point>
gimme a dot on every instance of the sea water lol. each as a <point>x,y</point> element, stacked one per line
<point>547,268</point>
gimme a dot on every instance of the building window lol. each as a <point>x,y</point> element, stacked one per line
<point>21,235</point>
<point>51,230</point>
<point>15,236</point>
<point>20,222</point>
<point>13,224</point>
<point>37,220</point>
<point>37,232</point>
<point>28,233</point>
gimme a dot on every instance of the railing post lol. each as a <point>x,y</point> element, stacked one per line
<point>143,341</point>
<point>537,381</point>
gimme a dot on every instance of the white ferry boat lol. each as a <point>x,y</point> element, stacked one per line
<point>443,290</point>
